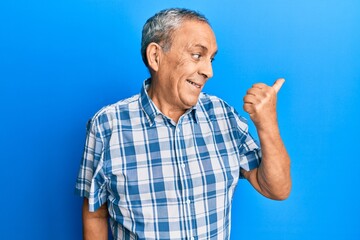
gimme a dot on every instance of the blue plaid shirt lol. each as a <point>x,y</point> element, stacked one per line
<point>161,179</point>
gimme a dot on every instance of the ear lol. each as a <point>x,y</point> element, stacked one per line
<point>153,52</point>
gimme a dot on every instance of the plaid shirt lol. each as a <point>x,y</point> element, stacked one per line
<point>161,179</point>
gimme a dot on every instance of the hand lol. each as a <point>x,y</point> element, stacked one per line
<point>260,103</point>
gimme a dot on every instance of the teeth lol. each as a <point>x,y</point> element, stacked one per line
<point>196,85</point>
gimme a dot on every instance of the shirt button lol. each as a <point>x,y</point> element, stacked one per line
<point>183,165</point>
<point>188,201</point>
<point>178,130</point>
<point>192,238</point>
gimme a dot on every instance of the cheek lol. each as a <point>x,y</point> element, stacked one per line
<point>186,69</point>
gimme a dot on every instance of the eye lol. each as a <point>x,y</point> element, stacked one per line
<point>196,56</point>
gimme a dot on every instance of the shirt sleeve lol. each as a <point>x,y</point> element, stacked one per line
<point>250,153</point>
<point>91,181</point>
<point>249,148</point>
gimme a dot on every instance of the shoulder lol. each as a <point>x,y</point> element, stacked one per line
<point>106,115</point>
<point>215,108</point>
<point>215,105</point>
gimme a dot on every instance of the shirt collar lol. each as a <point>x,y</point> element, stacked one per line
<point>148,106</point>
<point>151,111</point>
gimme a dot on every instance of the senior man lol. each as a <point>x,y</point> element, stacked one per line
<point>164,163</point>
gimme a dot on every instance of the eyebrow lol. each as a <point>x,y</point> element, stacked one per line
<point>205,49</point>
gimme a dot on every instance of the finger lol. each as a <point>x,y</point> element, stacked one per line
<point>248,107</point>
<point>259,85</point>
<point>255,92</point>
<point>251,99</point>
<point>278,84</point>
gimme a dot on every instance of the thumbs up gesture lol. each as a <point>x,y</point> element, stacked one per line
<point>260,103</point>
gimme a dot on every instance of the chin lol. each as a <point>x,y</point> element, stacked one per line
<point>191,102</point>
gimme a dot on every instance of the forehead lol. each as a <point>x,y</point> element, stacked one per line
<point>195,33</point>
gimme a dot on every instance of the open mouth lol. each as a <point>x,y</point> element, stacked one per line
<point>194,84</point>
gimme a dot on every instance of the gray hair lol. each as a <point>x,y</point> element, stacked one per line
<point>159,28</point>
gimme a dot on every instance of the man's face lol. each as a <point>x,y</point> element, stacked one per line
<point>185,68</point>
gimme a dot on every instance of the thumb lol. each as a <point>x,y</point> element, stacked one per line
<point>278,84</point>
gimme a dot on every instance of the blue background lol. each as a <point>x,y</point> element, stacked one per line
<point>61,61</point>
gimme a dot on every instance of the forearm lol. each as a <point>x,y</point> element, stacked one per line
<point>273,174</point>
<point>95,224</point>
<point>272,177</point>
<point>95,229</point>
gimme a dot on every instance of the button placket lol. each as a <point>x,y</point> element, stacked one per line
<point>182,172</point>
<point>186,193</point>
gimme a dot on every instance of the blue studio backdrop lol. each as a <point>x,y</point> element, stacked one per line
<point>61,61</point>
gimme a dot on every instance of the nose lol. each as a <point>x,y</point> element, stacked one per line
<point>206,69</point>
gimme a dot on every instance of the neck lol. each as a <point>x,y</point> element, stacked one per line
<point>163,104</point>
